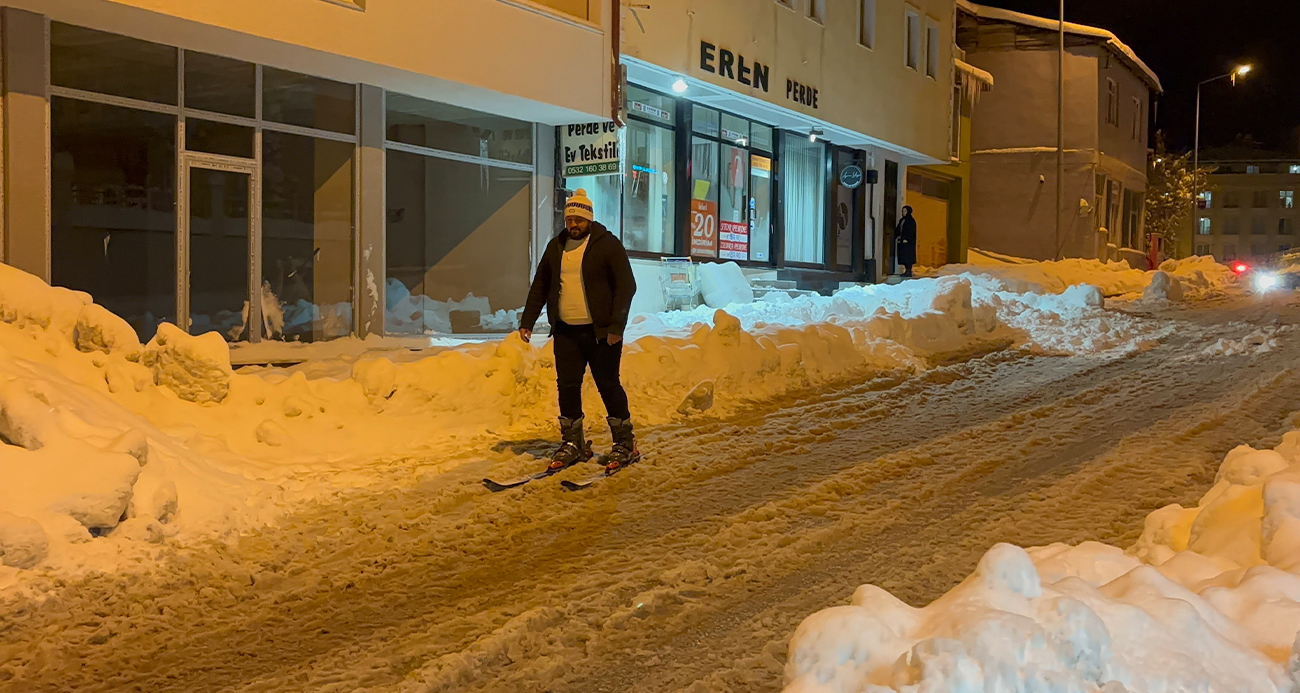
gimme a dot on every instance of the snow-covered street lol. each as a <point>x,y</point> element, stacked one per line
<point>692,570</point>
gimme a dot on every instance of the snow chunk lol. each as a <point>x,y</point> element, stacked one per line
<point>724,284</point>
<point>23,543</point>
<point>196,368</point>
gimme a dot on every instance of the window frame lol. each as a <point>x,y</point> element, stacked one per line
<point>1137,119</point>
<point>912,40</point>
<point>815,10</point>
<point>868,12</point>
<point>933,47</point>
<point>718,141</point>
<point>1112,102</point>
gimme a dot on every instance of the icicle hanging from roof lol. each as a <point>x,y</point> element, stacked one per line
<point>973,81</point>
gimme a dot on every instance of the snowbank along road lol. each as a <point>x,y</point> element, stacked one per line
<point>691,570</point>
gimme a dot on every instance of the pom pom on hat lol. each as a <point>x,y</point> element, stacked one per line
<point>579,205</point>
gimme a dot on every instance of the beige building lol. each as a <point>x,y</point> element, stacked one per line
<point>301,170</point>
<point>776,133</point>
<point>357,166</point>
<point>1248,210</point>
<point>1108,93</point>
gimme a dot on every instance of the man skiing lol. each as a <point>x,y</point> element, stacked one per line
<point>585,282</point>
<point>905,237</point>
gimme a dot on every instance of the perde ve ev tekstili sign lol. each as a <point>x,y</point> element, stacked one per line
<point>590,149</point>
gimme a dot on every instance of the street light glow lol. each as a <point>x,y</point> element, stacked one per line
<point>1243,70</point>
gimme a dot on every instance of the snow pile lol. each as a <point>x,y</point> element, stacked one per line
<point>418,314</point>
<point>1260,341</point>
<point>109,444</point>
<point>1194,277</point>
<point>1207,600</point>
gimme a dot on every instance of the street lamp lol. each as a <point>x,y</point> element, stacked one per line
<point>1239,71</point>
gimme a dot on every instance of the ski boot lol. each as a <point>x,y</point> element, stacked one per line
<point>573,449</point>
<point>624,451</point>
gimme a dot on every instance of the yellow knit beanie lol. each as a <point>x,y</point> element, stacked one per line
<point>579,206</point>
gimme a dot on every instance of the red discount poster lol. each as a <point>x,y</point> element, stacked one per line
<point>733,240</point>
<point>704,228</point>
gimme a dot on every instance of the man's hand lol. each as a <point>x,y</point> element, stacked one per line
<point>614,338</point>
<point>526,335</point>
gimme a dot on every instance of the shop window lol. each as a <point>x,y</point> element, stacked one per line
<point>450,128</point>
<point>218,138</point>
<point>218,222</point>
<point>309,102</point>
<point>220,85</point>
<point>733,204</point>
<point>735,130</point>
<point>655,108</point>
<point>913,39</point>
<point>307,236</point>
<point>457,245</point>
<point>760,137</point>
<point>704,197</point>
<point>704,121</point>
<point>649,200</point>
<point>760,207</point>
<point>113,215</point>
<point>110,64</point>
<point>803,169</point>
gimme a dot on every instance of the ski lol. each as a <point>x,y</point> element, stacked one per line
<point>569,485</point>
<point>499,486</point>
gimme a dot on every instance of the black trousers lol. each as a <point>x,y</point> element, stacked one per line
<point>576,348</point>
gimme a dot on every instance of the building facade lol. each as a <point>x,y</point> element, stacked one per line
<point>1108,94</point>
<point>1248,209</point>
<point>308,169</point>
<point>774,133</point>
<point>297,170</point>
<point>940,195</point>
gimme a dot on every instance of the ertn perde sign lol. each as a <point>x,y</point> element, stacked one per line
<point>590,149</point>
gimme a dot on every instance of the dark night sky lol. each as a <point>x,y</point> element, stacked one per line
<point>1186,41</point>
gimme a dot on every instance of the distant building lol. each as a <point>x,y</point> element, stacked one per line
<point>1014,137</point>
<point>940,195</point>
<point>1248,209</point>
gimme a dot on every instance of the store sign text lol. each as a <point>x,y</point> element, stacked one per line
<point>801,93</point>
<point>725,63</point>
<point>704,228</point>
<point>590,149</point>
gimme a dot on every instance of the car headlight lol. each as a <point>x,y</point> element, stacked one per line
<point>1264,282</point>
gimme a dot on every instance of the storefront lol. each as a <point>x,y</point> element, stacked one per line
<point>687,179</point>
<point>183,183</point>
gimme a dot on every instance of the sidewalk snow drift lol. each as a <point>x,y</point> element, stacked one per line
<point>110,448</point>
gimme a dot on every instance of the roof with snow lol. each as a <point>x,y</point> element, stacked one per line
<point>1103,36</point>
<point>1243,152</point>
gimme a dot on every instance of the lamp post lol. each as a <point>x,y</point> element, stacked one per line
<point>1060,129</point>
<point>1239,71</point>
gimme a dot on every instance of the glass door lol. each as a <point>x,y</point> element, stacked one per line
<point>221,224</point>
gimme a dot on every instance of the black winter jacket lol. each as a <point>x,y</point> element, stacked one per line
<point>606,279</point>
<point>905,236</point>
